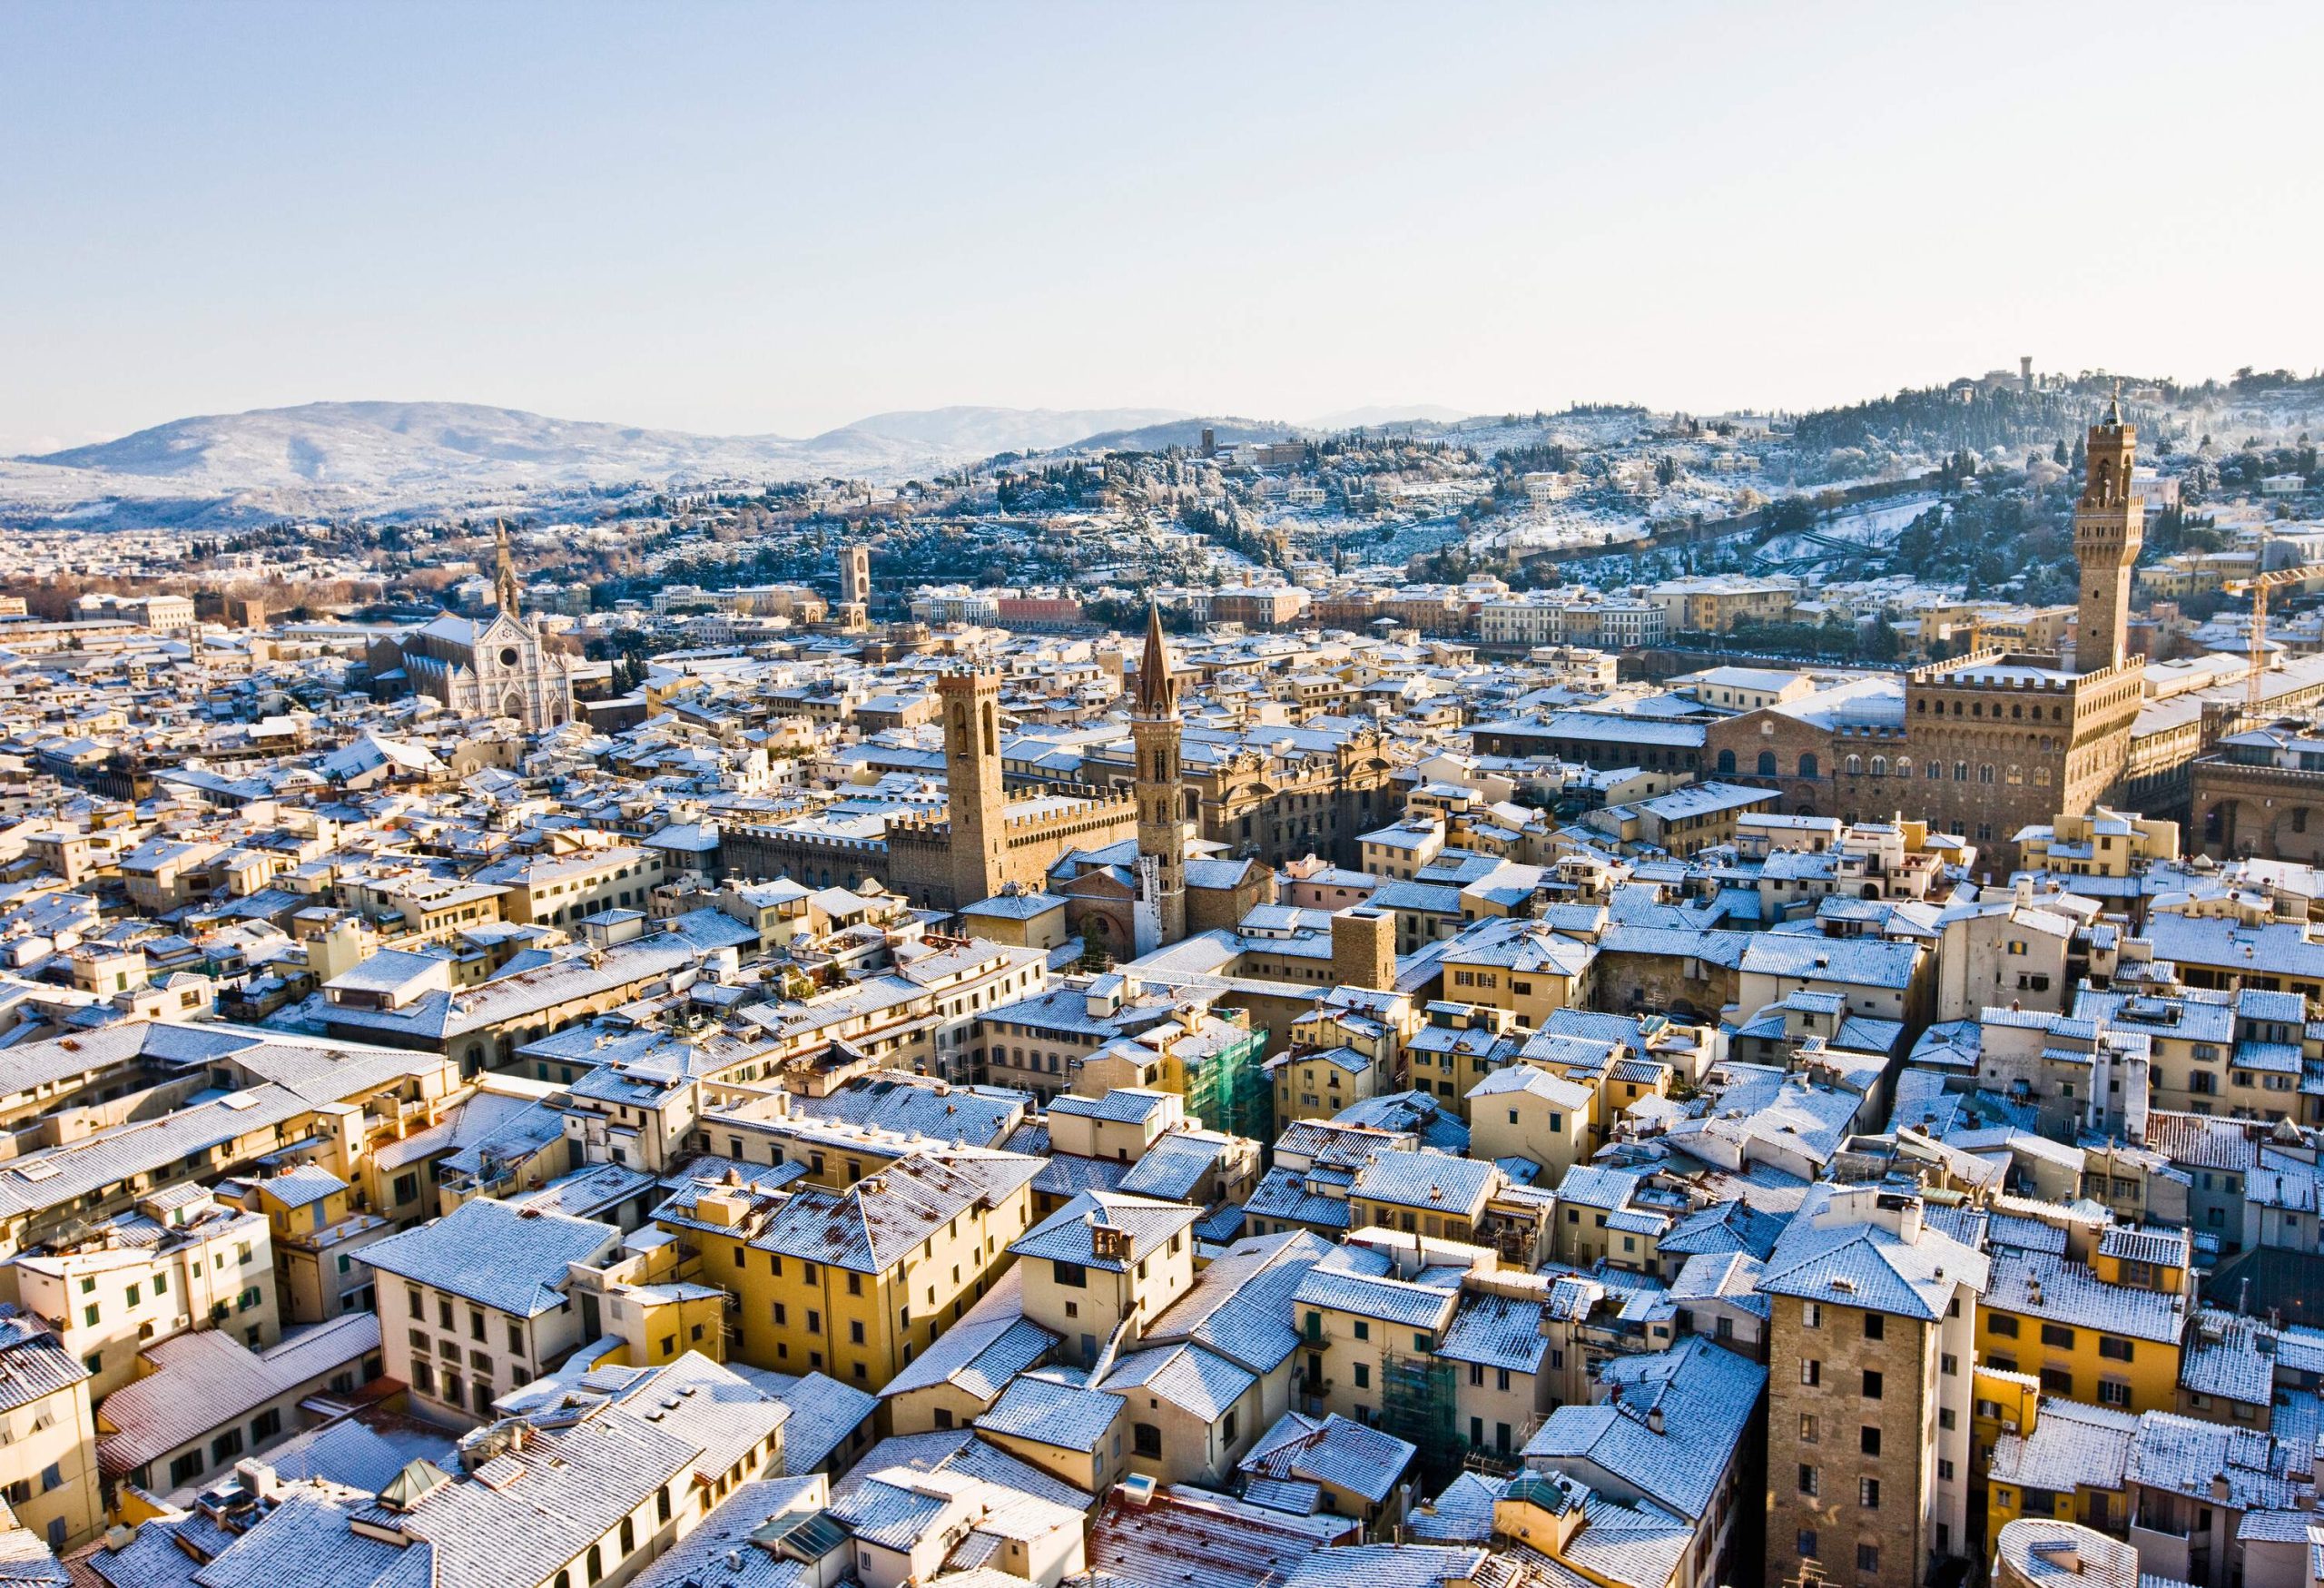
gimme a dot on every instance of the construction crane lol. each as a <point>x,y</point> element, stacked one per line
<point>2257,586</point>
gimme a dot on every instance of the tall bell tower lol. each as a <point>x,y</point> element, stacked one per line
<point>1154,731</point>
<point>507,595</point>
<point>2109,525</point>
<point>971,701</point>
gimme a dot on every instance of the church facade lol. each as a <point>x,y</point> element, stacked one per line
<point>496,666</point>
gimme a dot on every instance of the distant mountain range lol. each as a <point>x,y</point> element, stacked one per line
<point>340,457</point>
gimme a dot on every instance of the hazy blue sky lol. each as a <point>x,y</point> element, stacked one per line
<point>770,218</point>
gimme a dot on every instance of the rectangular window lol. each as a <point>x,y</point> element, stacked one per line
<point>1807,1544</point>
<point>1867,1493</point>
<point>1806,1479</point>
<point>1811,1371</point>
<point>2113,1350</point>
<point>1868,1557</point>
<point>1871,1384</point>
<point>2002,1324</point>
<point>2057,1334</point>
<point>1874,1327</point>
<point>1868,1440</point>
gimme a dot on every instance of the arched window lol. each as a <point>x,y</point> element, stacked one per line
<point>1960,772</point>
<point>1935,770</point>
<point>1767,763</point>
<point>1725,762</point>
<point>1921,706</point>
<point>2040,777</point>
<point>1856,765</point>
<point>1880,767</point>
<point>1985,772</point>
<point>1808,763</point>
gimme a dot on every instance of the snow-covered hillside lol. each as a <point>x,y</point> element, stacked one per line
<point>380,457</point>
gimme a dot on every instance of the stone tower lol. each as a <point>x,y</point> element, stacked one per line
<point>506,591</point>
<point>854,589</point>
<point>980,836</point>
<point>1363,949</point>
<point>2109,523</point>
<point>1154,731</point>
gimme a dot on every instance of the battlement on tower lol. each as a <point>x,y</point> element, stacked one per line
<point>1083,808</point>
<point>799,838</point>
<point>2015,672</point>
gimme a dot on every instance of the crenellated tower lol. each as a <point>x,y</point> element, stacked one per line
<point>971,705</point>
<point>2109,524</point>
<point>1154,730</point>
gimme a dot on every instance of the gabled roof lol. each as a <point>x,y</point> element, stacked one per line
<point>877,1221</point>
<point>1068,1235</point>
<point>510,1259</point>
<point>1670,1427</point>
<point>1334,1451</point>
<point>1834,1251</point>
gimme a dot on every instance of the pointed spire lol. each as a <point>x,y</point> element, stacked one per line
<point>504,589</point>
<point>1158,696</point>
<point>2115,408</point>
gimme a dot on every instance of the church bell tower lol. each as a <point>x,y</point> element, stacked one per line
<point>506,593</point>
<point>1154,731</point>
<point>971,701</point>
